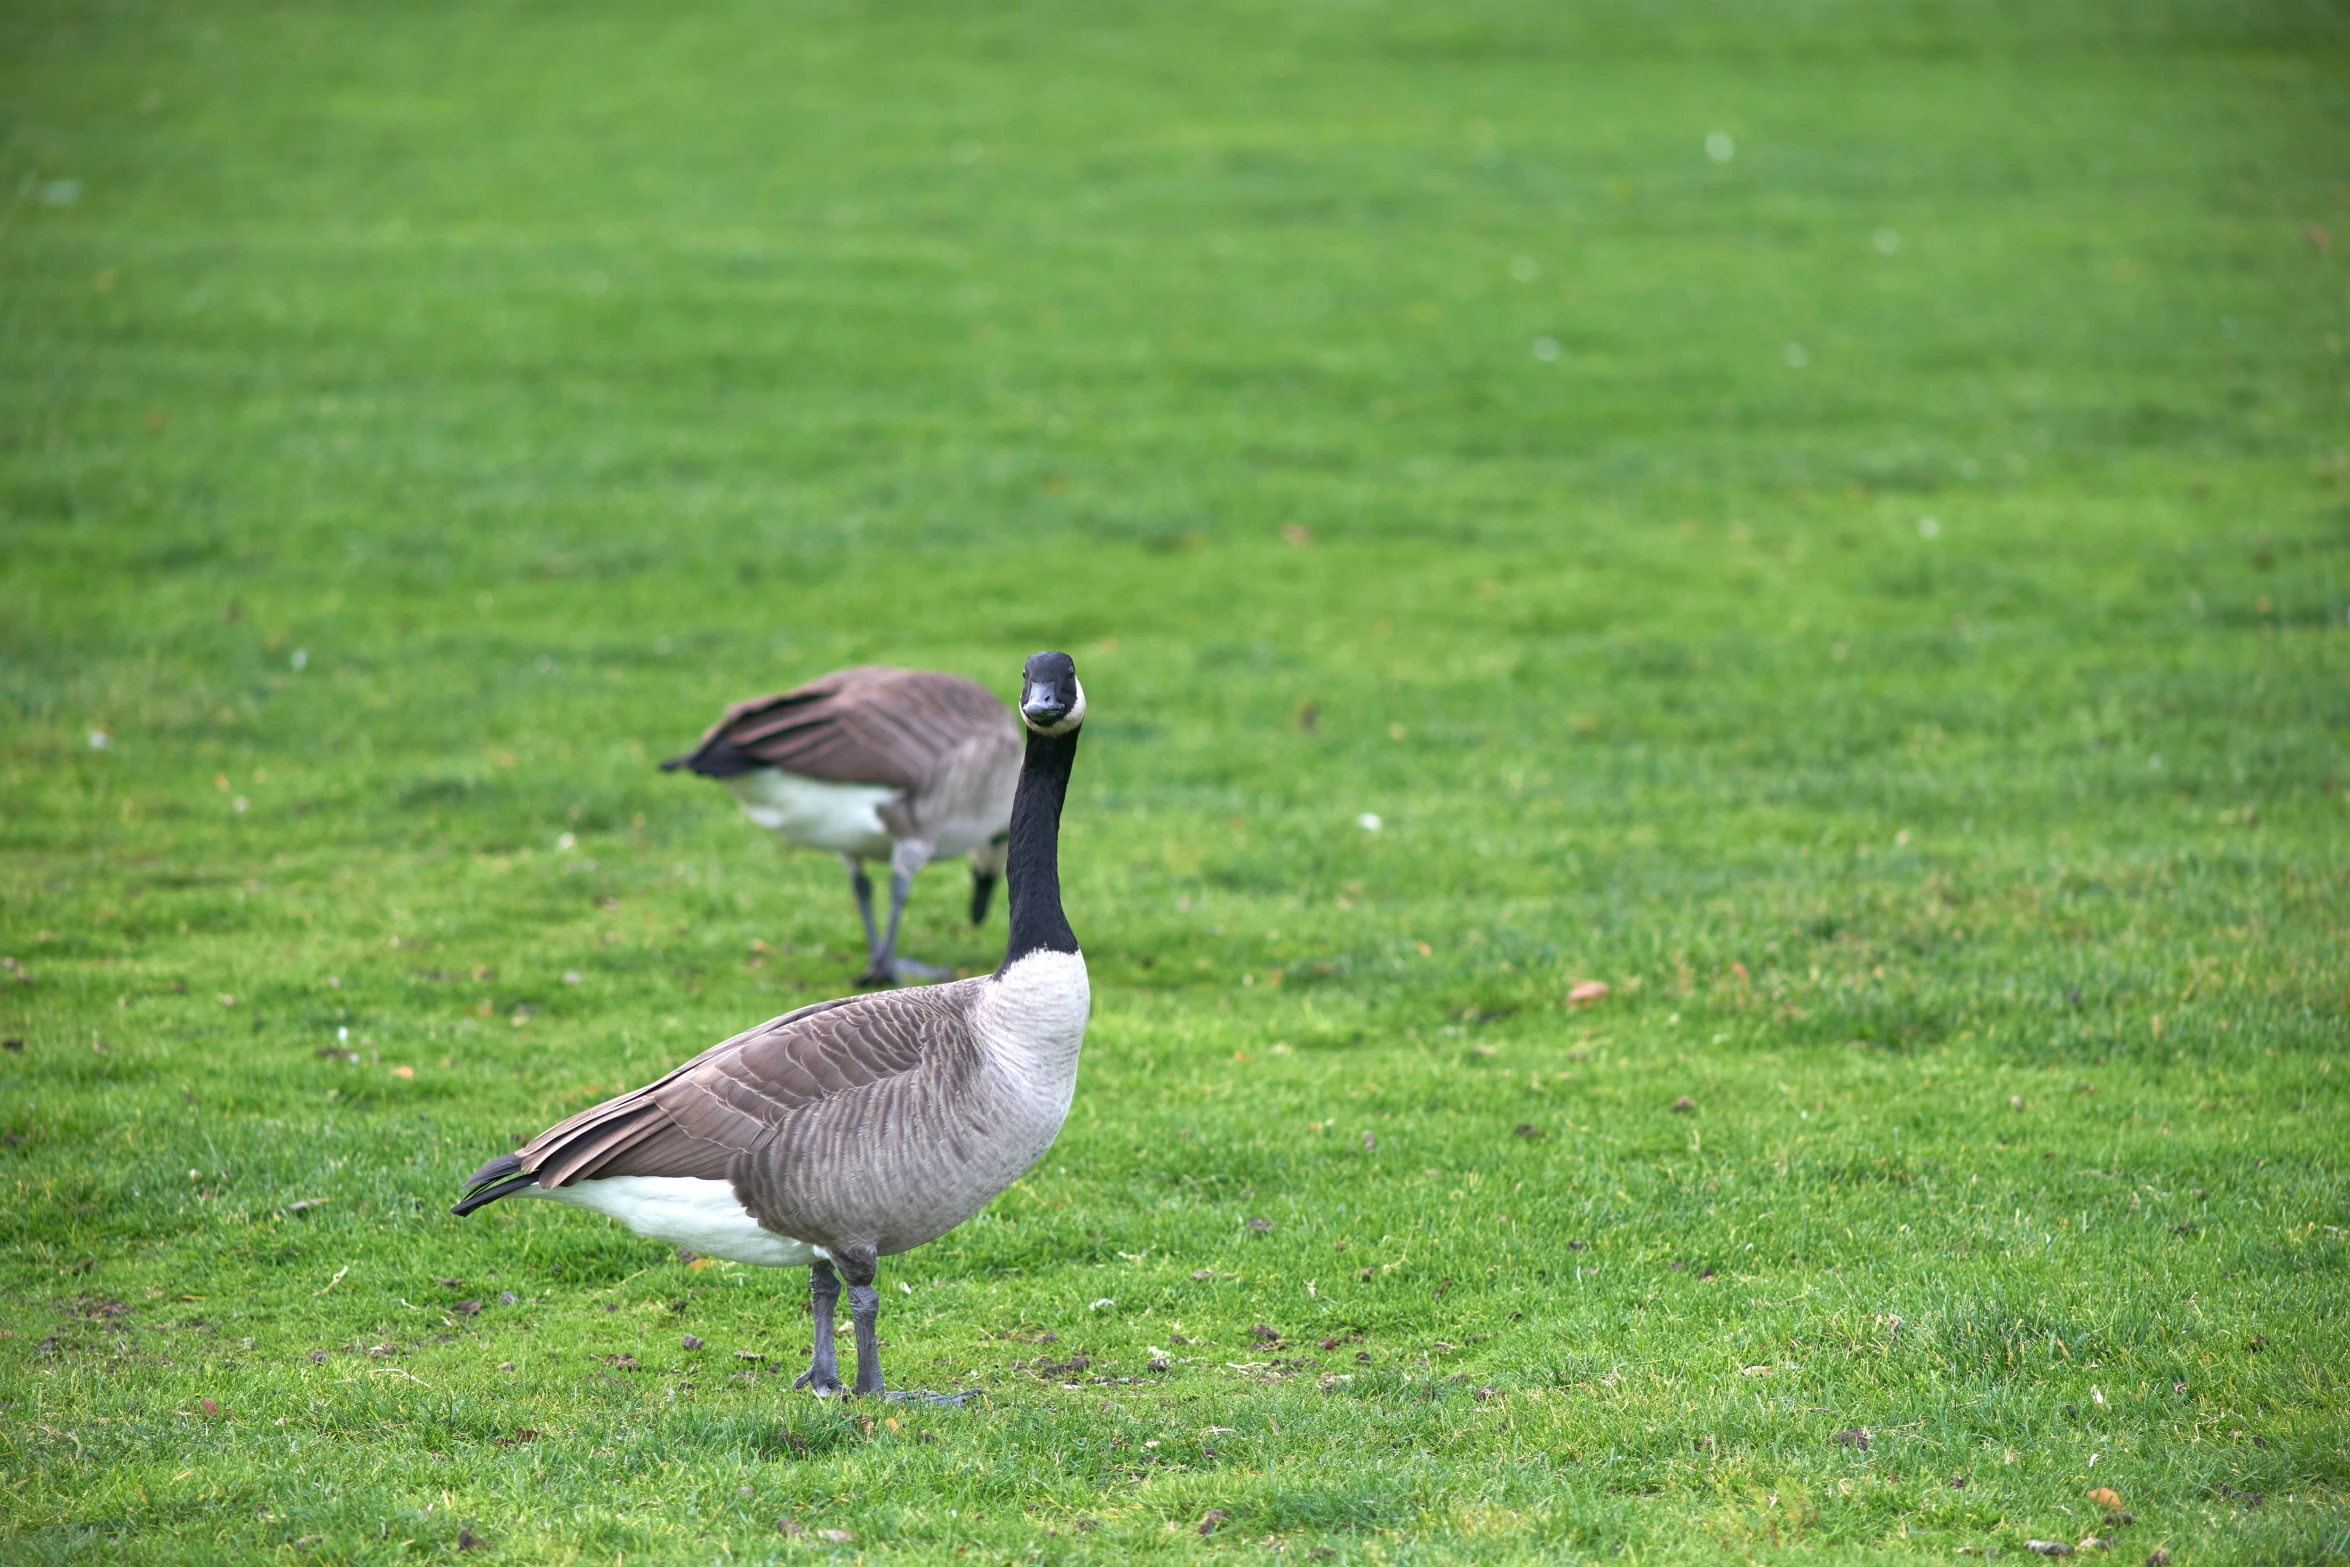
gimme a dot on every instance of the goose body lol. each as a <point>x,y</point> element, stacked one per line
<point>883,1121</point>
<point>861,1128</point>
<point>872,763</point>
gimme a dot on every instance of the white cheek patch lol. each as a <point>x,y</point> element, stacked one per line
<point>1069,720</point>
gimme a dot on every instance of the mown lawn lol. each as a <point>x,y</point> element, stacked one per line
<point>1832,519</point>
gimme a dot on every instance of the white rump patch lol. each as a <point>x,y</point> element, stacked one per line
<point>844,818</point>
<point>701,1215</point>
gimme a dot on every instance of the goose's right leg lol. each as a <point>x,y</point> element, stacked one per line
<point>823,1373</point>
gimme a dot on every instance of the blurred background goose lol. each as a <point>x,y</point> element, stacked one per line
<point>853,1130</point>
<point>874,763</point>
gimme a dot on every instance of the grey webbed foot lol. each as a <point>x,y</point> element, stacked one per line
<point>941,1400</point>
<point>901,971</point>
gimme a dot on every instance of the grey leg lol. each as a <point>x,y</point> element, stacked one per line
<point>864,1308</point>
<point>906,858</point>
<point>862,885</point>
<point>987,868</point>
<point>823,1373</point>
<point>857,1265</point>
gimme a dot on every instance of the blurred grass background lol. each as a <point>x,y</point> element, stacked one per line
<point>1828,517</point>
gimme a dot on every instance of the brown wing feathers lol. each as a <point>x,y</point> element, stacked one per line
<point>870,724</point>
<point>599,1143</point>
<point>731,1099</point>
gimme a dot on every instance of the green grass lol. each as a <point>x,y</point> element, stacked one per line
<point>421,418</point>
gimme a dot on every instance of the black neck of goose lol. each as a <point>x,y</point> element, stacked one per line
<point>1032,857</point>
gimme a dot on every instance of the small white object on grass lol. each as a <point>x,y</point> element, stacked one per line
<point>1369,821</point>
<point>566,841</point>
<point>1798,356</point>
<point>301,659</point>
<point>100,739</point>
<point>1720,147</point>
<point>1546,349</point>
<point>1104,1304</point>
<point>1928,528</point>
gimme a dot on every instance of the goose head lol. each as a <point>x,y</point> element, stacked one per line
<point>1051,700</point>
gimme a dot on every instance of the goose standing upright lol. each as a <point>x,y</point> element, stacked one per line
<point>874,763</point>
<point>857,1129</point>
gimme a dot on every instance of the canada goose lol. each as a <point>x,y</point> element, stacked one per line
<point>856,1129</point>
<point>873,763</point>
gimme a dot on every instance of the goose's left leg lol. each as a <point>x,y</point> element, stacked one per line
<point>987,868</point>
<point>857,1265</point>
<point>906,858</point>
<point>862,885</point>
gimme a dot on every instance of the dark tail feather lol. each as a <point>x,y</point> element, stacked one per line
<point>715,758</point>
<point>500,1177</point>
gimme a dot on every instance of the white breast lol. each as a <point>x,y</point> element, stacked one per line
<point>1030,1020</point>
<point>699,1214</point>
<point>842,817</point>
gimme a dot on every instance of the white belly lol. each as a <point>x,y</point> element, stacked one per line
<point>701,1215</point>
<point>844,818</point>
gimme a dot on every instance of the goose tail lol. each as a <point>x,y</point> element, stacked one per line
<point>501,1177</point>
<point>715,757</point>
